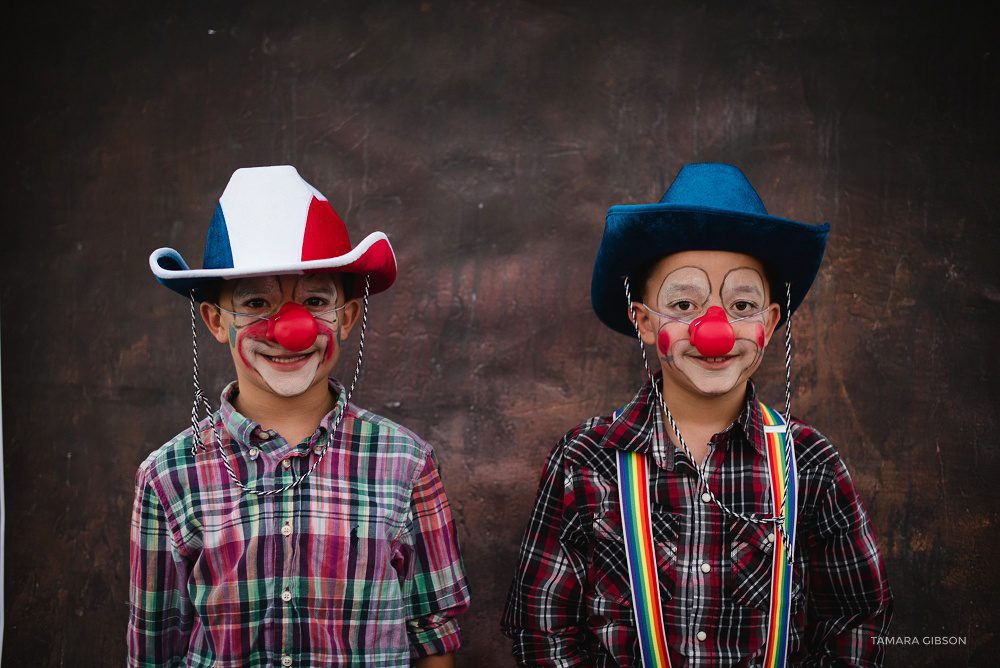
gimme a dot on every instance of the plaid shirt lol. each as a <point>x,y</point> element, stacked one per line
<point>358,565</point>
<point>571,605</point>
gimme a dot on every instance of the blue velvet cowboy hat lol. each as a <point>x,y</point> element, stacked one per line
<point>709,206</point>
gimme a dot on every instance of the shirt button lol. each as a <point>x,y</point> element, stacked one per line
<point>770,538</point>
<point>318,449</point>
<point>286,530</point>
<point>701,636</point>
<point>286,596</point>
<point>286,463</point>
<point>254,452</point>
<point>706,497</point>
<point>286,661</point>
<point>265,434</point>
<point>704,569</point>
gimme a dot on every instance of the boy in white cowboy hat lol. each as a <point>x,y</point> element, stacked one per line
<point>290,527</point>
<point>697,526</point>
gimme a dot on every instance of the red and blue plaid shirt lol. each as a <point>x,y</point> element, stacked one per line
<point>358,565</point>
<point>570,603</point>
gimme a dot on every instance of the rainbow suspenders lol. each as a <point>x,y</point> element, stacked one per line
<point>633,494</point>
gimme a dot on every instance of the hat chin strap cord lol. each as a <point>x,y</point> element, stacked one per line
<point>778,522</point>
<point>200,398</point>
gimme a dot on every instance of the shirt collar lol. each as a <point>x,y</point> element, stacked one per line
<point>751,421</point>
<point>249,433</point>
<point>639,426</point>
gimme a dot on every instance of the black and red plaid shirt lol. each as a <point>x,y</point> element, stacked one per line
<point>570,603</point>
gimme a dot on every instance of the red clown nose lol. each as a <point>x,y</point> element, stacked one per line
<point>712,334</point>
<point>292,327</point>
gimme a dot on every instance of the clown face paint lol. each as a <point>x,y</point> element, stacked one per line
<point>286,373</point>
<point>260,360</point>
<point>692,282</point>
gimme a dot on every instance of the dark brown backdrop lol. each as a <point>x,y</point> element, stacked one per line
<point>487,139</point>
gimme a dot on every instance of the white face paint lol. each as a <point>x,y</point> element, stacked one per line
<point>263,362</point>
<point>690,283</point>
<point>286,374</point>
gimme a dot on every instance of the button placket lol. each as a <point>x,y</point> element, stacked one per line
<point>286,570</point>
<point>700,507</point>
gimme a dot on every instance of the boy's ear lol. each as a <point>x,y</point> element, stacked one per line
<point>771,319</point>
<point>213,319</point>
<point>348,317</point>
<point>640,316</point>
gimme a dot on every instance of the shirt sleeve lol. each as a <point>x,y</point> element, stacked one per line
<point>546,611</point>
<point>437,592</point>
<point>849,601</point>
<point>159,611</point>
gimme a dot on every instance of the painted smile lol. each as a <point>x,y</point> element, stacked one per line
<point>713,362</point>
<point>286,360</point>
<point>287,373</point>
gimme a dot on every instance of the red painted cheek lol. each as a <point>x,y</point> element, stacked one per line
<point>760,336</point>
<point>255,331</point>
<point>332,340</point>
<point>663,342</point>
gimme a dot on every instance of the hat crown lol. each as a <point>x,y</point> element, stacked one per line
<point>271,213</point>
<point>713,185</point>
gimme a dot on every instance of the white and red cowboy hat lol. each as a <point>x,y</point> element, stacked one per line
<point>270,221</point>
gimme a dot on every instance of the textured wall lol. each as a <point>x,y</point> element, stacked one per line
<point>487,139</point>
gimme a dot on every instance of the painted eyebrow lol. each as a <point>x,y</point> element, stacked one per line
<point>750,288</point>
<point>746,289</point>
<point>246,289</point>
<point>674,285</point>
<point>316,288</point>
<point>680,287</point>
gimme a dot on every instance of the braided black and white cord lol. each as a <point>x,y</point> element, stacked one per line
<point>789,442</point>
<point>199,396</point>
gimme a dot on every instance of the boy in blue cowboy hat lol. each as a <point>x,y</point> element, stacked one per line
<point>697,526</point>
<point>290,527</point>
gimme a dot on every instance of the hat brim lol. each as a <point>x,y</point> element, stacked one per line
<point>636,234</point>
<point>373,257</point>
